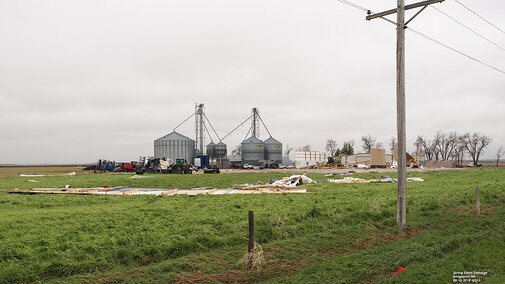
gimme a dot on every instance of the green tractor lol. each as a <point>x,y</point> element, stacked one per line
<point>181,167</point>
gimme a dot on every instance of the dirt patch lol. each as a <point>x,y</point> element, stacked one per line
<point>469,209</point>
<point>230,276</point>
<point>386,238</point>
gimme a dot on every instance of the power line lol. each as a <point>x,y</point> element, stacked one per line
<point>432,39</point>
<point>475,13</point>
<point>354,5</point>
<point>455,50</point>
<point>468,28</point>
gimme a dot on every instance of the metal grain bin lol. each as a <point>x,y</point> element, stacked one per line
<point>273,150</point>
<point>211,150</point>
<point>253,151</point>
<point>221,150</point>
<point>174,146</point>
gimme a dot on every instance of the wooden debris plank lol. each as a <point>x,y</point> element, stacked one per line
<point>167,192</point>
<point>19,191</point>
<point>211,191</point>
<point>197,188</point>
<point>130,191</point>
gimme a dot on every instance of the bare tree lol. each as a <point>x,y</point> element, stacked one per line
<point>499,154</point>
<point>368,142</point>
<point>331,147</point>
<point>444,144</point>
<point>288,150</point>
<point>475,144</point>
<point>304,148</point>
<point>379,145</point>
<point>426,147</point>
<point>237,151</point>
<point>459,153</point>
<point>393,144</point>
<point>419,146</point>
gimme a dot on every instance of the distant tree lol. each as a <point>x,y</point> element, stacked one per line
<point>379,145</point>
<point>475,144</point>
<point>331,147</point>
<point>445,144</point>
<point>367,142</point>
<point>304,148</point>
<point>426,147</point>
<point>499,154</point>
<point>288,150</point>
<point>459,153</point>
<point>237,151</point>
<point>347,148</point>
<point>393,144</point>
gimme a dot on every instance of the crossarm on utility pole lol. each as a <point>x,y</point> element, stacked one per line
<point>407,7</point>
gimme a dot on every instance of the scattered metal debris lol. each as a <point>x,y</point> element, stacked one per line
<point>359,180</point>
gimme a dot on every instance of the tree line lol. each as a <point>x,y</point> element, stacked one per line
<point>452,146</point>
<point>442,146</point>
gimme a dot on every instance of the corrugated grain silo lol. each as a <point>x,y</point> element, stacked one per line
<point>211,150</point>
<point>175,146</point>
<point>273,150</point>
<point>221,150</point>
<point>253,151</point>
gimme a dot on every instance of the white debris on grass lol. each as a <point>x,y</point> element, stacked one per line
<point>349,180</point>
<point>384,179</point>
<point>137,176</point>
<point>293,181</point>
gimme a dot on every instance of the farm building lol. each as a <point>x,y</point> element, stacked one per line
<point>309,158</point>
<point>377,158</point>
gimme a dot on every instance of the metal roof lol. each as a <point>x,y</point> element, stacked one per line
<point>174,136</point>
<point>272,140</point>
<point>252,139</point>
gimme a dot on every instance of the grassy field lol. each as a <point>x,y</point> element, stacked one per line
<point>16,171</point>
<point>338,233</point>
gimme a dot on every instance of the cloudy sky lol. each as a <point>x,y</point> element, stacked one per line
<point>82,80</point>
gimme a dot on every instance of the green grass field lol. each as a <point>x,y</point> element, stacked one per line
<point>338,233</point>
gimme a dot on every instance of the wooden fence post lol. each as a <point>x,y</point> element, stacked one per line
<point>477,192</point>
<point>250,247</point>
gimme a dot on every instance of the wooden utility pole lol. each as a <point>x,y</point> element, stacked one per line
<point>250,244</point>
<point>401,127</point>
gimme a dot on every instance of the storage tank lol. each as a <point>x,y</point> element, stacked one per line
<point>221,150</point>
<point>273,150</point>
<point>211,150</point>
<point>253,151</point>
<point>174,146</point>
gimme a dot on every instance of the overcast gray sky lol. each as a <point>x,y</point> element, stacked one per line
<point>82,80</point>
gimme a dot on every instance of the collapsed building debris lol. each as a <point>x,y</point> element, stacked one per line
<point>285,185</point>
<point>160,192</point>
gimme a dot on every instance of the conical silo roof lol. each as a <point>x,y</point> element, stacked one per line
<point>272,140</point>
<point>174,136</point>
<point>252,139</point>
